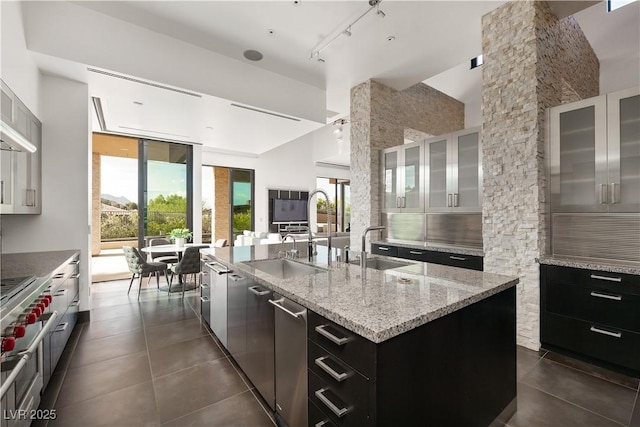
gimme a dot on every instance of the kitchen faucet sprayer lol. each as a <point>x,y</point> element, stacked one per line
<point>363,251</point>
<point>326,196</point>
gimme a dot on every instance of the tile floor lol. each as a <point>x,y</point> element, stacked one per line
<point>153,363</point>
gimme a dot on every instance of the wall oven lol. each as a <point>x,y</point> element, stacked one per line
<point>25,320</point>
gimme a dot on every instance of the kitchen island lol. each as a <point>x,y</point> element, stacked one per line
<point>421,343</point>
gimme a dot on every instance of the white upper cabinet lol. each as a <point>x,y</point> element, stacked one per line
<point>594,154</point>
<point>403,178</point>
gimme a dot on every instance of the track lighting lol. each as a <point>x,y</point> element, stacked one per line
<point>380,13</point>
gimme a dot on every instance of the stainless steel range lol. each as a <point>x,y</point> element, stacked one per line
<point>25,319</point>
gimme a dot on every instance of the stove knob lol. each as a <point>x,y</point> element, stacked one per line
<point>41,306</point>
<point>36,311</point>
<point>30,318</point>
<point>49,298</point>
<point>44,301</point>
<point>8,344</point>
<point>19,331</point>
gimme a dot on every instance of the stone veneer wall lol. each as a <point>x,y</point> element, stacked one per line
<point>220,214</point>
<point>379,116</point>
<point>96,205</point>
<point>532,61</point>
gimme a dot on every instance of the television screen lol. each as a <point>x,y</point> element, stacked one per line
<point>289,210</point>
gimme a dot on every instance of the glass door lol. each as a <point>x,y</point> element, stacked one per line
<point>390,179</point>
<point>241,201</point>
<point>468,192</point>
<point>413,199</point>
<point>437,176</point>
<point>165,193</point>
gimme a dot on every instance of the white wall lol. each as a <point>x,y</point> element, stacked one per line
<point>66,205</point>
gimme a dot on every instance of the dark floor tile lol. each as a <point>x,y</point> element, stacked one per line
<point>594,394</point>
<point>108,313</point>
<point>106,328</point>
<point>239,411</point>
<point>67,354</point>
<point>101,349</point>
<point>50,395</point>
<point>132,406</point>
<point>182,355</point>
<point>155,306</point>
<point>192,389</point>
<point>88,382</point>
<point>536,408</point>
<point>635,418</point>
<point>526,359</point>
<point>170,333</point>
<point>594,370</point>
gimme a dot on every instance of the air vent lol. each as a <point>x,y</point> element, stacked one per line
<point>131,79</point>
<point>152,131</point>
<point>265,112</point>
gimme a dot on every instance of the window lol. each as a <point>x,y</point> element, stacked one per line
<point>617,4</point>
<point>339,191</point>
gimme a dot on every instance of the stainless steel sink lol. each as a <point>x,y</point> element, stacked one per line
<point>283,268</point>
<point>381,264</point>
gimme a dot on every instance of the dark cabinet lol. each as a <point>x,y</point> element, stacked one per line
<point>592,314</point>
<point>472,262</point>
<point>386,250</point>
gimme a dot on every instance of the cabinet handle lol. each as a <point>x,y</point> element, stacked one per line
<point>204,299</point>
<point>404,202</point>
<point>449,196</point>
<point>610,279</point>
<point>60,293</point>
<point>603,332</point>
<point>457,258</point>
<point>398,202</point>
<point>322,423</point>
<point>455,200</point>
<point>31,198</point>
<point>59,276</point>
<point>329,404</point>
<point>415,252</point>
<point>75,262</point>
<point>254,290</point>
<point>204,285</point>
<point>75,276</point>
<point>602,196</point>
<point>235,277</point>
<point>286,310</point>
<point>215,267</point>
<point>75,304</point>
<point>2,192</point>
<point>321,329</point>
<point>336,375</point>
<point>613,194</point>
<point>383,248</point>
<point>605,296</point>
<point>61,327</point>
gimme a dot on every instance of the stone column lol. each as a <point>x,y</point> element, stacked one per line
<point>532,61</point>
<point>379,117</point>
<point>96,205</point>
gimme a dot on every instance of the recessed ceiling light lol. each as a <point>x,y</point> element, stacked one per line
<point>252,55</point>
<point>391,38</point>
<point>271,31</point>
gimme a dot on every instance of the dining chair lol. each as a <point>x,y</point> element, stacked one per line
<point>220,243</point>
<point>189,264</point>
<point>138,266</point>
<point>168,257</point>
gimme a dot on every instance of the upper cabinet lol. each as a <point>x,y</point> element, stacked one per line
<point>20,157</point>
<point>594,154</point>
<point>454,172</point>
<point>403,178</point>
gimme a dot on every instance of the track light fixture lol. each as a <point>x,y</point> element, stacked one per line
<point>379,12</point>
<point>338,128</point>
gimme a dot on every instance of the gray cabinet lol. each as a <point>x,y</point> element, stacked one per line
<point>594,154</point>
<point>403,178</point>
<point>454,172</point>
<point>20,157</point>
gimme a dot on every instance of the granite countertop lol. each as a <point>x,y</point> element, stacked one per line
<point>38,264</point>
<point>431,247</point>
<point>604,265</point>
<point>379,305</point>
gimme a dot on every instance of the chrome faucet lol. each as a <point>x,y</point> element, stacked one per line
<point>294,252</point>
<point>363,250</point>
<point>311,251</point>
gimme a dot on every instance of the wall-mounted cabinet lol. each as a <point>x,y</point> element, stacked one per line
<point>20,157</point>
<point>403,178</point>
<point>594,154</point>
<point>454,172</point>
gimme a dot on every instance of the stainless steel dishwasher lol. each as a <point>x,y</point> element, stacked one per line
<point>291,361</point>
<point>218,298</point>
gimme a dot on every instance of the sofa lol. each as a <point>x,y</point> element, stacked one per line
<point>252,238</point>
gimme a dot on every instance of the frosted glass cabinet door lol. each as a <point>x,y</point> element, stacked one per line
<point>468,194</point>
<point>413,178</point>
<point>6,180</point>
<point>437,175</point>
<point>578,157</point>
<point>624,151</point>
<point>390,178</point>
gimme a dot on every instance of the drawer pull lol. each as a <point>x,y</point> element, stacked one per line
<point>605,296</point>
<point>59,276</point>
<point>76,262</point>
<point>61,327</point>
<point>337,340</point>
<point>415,252</point>
<point>256,290</point>
<point>329,404</point>
<point>204,299</point>
<point>383,248</point>
<point>75,304</point>
<point>60,293</point>
<point>457,258</point>
<point>336,376</point>
<point>322,423</point>
<point>610,279</point>
<point>204,285</point>
<point>75,276</point>
<point>603,332</point>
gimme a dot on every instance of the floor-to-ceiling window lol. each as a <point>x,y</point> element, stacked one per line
<point>241,198</point>
<point>208,203</point>
<point>339,192</point>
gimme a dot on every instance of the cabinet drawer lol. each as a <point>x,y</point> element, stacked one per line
<point>456,260</point>
<point>317,418</point>
<point>347,346</point>
<point>414,254</point>
<point>601,342</point>
<point>332,399</point>
<point>350,385</point>
<point>615,282</point>
<point>379,249</point>
<point>592,303</point>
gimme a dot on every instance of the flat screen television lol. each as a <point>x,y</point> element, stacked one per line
<point>285,210</point>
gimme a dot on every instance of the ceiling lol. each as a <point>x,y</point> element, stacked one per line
<point>433,42</point>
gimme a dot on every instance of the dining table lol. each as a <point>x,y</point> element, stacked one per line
<point>178,250</point>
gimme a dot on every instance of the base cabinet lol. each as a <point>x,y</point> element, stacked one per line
<point>451,259</point>
<point>593,315</point>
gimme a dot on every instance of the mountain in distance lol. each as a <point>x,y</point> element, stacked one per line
<point>121,200</point>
